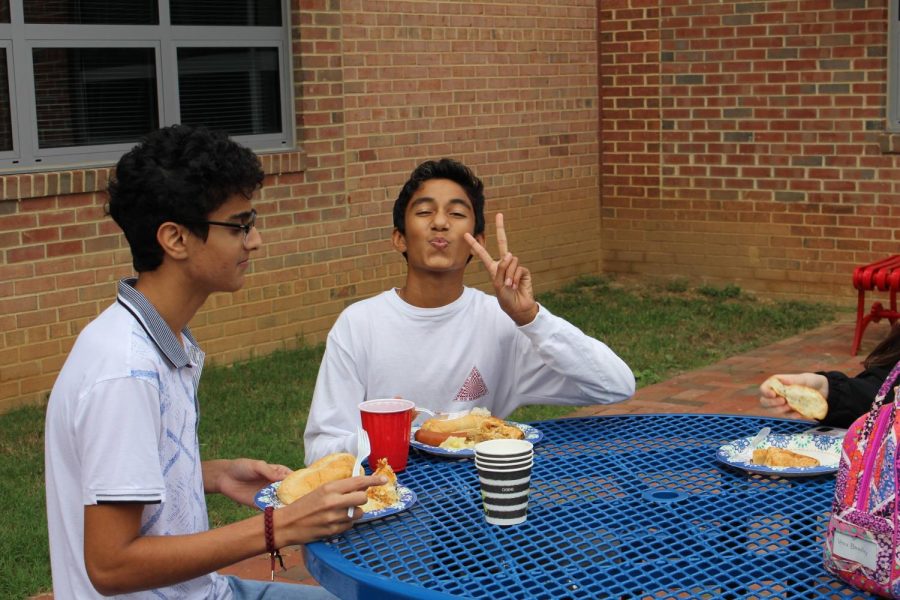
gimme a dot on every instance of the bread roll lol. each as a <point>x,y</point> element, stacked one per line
<point>464,423</point>
<point>434,431</point>
<point>803,399</point>
<point>328,468</point>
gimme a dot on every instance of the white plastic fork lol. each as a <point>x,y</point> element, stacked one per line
<point>363,447</point>
<point>759,438</point>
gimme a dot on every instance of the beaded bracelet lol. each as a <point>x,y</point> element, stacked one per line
<point>270,540</point>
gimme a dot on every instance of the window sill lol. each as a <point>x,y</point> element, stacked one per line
<point>21,186</point>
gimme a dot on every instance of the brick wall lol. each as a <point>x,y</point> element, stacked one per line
<point>509,88</point>
<point>744,142</point>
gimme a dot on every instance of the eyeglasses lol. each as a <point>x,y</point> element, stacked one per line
<point>245,227</point>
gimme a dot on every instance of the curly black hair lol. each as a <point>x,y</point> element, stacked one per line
<point>445,168</point>
<point>180,174</point>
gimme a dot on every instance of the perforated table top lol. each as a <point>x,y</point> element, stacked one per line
<point>631,506</point>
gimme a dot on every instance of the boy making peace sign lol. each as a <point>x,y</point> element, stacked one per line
<point>449,347</point>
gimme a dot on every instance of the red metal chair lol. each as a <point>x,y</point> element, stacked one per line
<point>883,276</point>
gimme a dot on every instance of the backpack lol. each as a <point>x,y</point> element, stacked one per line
<point>861,542</point>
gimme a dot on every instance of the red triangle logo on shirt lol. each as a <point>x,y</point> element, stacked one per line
<point>473,389</point>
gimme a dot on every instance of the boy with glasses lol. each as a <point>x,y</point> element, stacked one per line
<point>125,481</point>
<point>448,347</point>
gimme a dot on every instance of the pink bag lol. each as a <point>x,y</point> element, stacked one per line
<point>861,543</point>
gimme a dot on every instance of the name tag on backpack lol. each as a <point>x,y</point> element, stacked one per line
<point>857,549</point>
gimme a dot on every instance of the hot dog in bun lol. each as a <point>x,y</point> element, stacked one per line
<point>477,426</point>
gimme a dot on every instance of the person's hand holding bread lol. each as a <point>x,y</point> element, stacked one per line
<point>798,395</point>
<point>322,513</point>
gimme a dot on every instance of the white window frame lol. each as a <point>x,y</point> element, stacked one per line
<point>10,154</point>
<point>20,39</point>
<point>893,64</point>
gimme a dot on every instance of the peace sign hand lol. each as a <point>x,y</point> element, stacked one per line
<point>512,282</point>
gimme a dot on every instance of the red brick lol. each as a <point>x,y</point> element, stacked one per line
<point>37,236</point>
<point>65,248</point>
<point>26,253</point>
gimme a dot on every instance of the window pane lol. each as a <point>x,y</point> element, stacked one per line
<point>265,13</point>
<point>92,12</point>
<point>88,96</point>
<point>5,110</point>
<point>4,11</point>
<point>234,89</point>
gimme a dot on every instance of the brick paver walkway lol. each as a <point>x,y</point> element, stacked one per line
<point>729,386</point>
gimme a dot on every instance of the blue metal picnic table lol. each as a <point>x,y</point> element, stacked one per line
<point>626,506</point>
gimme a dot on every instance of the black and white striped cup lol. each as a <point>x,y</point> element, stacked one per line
<point>504,470</point>
<point>504,494</point>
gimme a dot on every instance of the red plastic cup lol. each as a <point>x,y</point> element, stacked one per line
<point>388,421</point>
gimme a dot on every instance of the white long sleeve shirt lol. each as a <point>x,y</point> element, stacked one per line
<point>466,354</point>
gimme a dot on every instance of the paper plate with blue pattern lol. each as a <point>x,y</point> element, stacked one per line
<point>267,497</point>
<point>824,448</point>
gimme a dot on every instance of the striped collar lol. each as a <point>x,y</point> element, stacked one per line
<point>161,334</point>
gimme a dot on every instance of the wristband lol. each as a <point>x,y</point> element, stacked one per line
<point>270,540</point>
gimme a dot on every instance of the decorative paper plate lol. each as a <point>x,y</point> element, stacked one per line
<point>532,434</point>
<point>266,497</point>
<point>825,448</point>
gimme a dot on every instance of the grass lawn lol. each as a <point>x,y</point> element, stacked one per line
<point>258,408</point>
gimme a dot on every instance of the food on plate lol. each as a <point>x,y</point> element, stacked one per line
<point>456,443</point>
<point>781,457</point>
<point>382,496</point>
<point>805,400</point>
<point>476,426</point>
<point>331,468</point>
